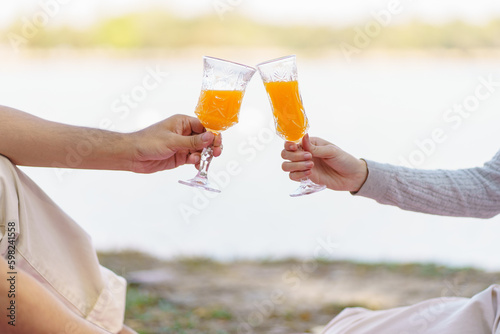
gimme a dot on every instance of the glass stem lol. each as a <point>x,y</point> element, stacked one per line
<point>206,157</point>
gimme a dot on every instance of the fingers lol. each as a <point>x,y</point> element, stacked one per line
<point>217,145</point>
<point>191,143</point>
<point>297,176</point>
<point>191,125</point>
<point>296,156</point>
<point>196,136</point>
<point>194,159</point>
<point>306,143</point>
<point>301,166</point>
<point>299,161</point>
<point>320,148</point>
<point>326,152</point>
<point>291,146</point>
<point>188,148</point>
<point>316,141</point>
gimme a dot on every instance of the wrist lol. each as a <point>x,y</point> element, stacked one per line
<point>361,175</point>
<point>117,151</point>
<point>127,149</point>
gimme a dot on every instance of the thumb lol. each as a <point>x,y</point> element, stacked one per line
<point>195,143</point>
<point>306,143</point>
<point>319,151</point>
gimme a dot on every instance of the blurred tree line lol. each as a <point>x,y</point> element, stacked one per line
<point>161,29</point>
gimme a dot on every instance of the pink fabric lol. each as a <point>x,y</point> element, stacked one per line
<point>477,315</point>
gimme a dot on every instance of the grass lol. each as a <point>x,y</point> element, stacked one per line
<point>431,270</point>
<point>151,314</point>
<point>148,314</point>
<point>414,269</point>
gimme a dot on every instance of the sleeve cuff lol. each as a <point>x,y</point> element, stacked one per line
<point>377,182</point>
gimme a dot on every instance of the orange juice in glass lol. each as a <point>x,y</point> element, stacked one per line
<point>282,86</point>
<point>222,89</point>
<point>288,110</point>
<point>219,109</point>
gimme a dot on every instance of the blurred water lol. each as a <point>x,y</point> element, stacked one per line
<point>375,108</point>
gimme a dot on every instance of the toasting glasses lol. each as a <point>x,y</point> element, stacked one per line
<point>281,83</point>
<point>222,89</point>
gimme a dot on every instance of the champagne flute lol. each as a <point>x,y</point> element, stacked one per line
<point>222,89</point>
<point>281,83</point>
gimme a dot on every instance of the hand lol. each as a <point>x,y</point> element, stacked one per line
<point>324,163</point>
<point>176,141</point>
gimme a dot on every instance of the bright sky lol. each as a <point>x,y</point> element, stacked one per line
<point>331,12</point>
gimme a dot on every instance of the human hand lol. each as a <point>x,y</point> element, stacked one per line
<point>324,163</point>
<point>173,142</point>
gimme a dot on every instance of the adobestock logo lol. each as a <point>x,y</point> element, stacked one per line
<point>121,109</point>
<point>224,6</point>
<point>363,36</point>
<point>292,280</point>
<point>248,150</point>
<point>131,100</point>
<point>424,318</point>
<point>31,26</point>
<point>453,119</point>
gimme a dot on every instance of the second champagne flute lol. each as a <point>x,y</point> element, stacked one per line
<point>281,82</point>
<point>222,89</point>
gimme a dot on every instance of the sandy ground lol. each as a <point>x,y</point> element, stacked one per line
<point>202,296</point>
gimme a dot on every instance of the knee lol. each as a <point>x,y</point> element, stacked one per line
<point>494,290</point>
<point>489,296</point>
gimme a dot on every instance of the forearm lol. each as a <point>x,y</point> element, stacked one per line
<point>37,310</point>
<point>30,141</point>
<point>471,192</point>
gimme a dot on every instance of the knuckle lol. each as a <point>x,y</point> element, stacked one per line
<point>193,141</point>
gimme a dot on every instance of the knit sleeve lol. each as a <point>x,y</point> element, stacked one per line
<point>473,192</point>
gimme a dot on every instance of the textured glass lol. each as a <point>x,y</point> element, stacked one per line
<point>219,74</point>
<point>222,88</point>
<point>282,87</point>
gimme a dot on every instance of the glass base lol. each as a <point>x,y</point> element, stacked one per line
<point>200,182</point>
<point>307,187</point>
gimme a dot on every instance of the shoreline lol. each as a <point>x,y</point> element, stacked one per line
<point>432,265</point>
<point>8,53</point>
